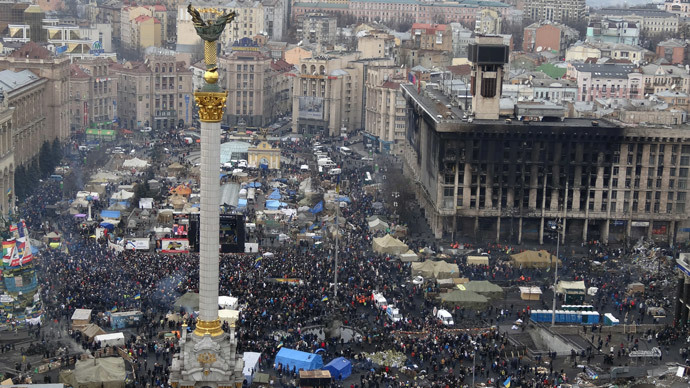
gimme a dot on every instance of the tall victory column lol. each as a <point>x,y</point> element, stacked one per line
<point>208,357</point>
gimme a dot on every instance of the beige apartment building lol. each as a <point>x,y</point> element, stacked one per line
<point>157,93</point>
<point>93,93</point>
<point>325,100</point>
<point>386,117</point>
<point>328,97</point>
<point>55,70</point>
<point>25,93</point>
<point>258,87</point>
<point>143,26</point>
<point>377,44</point>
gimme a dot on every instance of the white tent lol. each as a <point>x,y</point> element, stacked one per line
<point>378,225</point>
<point>122,194</point>
<point>227,302</point>
<point>104,176</point>
<point>409,256</point>
<point>135,163</point>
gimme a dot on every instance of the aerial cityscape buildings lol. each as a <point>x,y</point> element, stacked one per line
<point>344,193</point>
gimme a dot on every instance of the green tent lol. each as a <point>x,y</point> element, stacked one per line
<point>486,288</point>
<point>467,299</point>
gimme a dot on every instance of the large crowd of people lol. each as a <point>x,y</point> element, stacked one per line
<point>86,274</point>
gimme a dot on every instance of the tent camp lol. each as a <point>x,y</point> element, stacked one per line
<point>444,270</point>
<point>378,226</point>
<point>467,299</point>
<point>477,260</point>
<point>425,269</point>
<point>135,163</point>
<point>534,259</point>
<point>294,359</point>
<point>390,245</point>
<point>108,372</point>
<point>340,368</point>
<point>91,330</point>
<point>409,256</point>
<point>486,288</point>
<point>530,293</point>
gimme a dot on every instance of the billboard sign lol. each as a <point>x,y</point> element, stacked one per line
<point>174,245</point>
<point>311,108</point>
<point>96,48</point>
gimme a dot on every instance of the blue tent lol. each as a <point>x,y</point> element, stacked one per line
<point>107,225</point>
<point>272,205</point>
<point>110,214</point>
<point>241,203</point>
<point>254,184</point>
<point>275,194</point>
<point>294,359</point>
<point>340,368</point>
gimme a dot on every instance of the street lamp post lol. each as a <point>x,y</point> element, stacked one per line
<point>337,235</point>
<point>555,282</point>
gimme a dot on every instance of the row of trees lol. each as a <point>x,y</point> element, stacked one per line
<point>27,176</point>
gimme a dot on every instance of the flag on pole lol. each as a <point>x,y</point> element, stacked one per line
<point>137,296</point>
<point>257,262</point>
<point>324,299</point>
<point>114,309</point>
<point>507,382</point>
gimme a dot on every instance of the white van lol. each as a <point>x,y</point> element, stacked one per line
<point>334,171</point>
<point>445,317</point>
<point>345,151</point>
<point>326,163</point>
<point>380,301</point>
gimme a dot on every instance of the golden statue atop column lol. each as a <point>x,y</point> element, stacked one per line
<point>210,99</point>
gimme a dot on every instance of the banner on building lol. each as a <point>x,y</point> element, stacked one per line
<point>311,107</point>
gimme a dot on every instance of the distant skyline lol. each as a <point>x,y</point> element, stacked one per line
<point>614,3</point>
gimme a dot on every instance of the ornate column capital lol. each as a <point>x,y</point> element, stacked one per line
<point>211,105</point>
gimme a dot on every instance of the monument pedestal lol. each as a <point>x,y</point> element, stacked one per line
<point>207,361</point>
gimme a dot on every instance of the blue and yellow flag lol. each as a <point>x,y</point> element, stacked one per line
<point>114,309</point>
<point>137,296</point>
<point>507,382</point>
<point>324,299</point>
